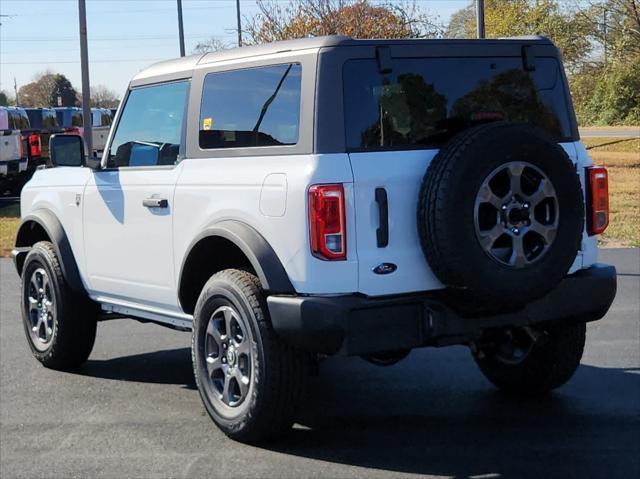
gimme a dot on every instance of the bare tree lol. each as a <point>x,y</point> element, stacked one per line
<point>213,44</point>
<point>355,18</point>
<point>103,97</point>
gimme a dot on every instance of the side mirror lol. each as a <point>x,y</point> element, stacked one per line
<point>69,150</point>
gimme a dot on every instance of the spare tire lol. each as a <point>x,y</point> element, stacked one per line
<point>501,213</point>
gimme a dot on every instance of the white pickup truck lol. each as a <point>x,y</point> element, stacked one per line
<point>13,161</point>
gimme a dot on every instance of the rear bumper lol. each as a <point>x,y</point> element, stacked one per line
<point>12,167</point>
<point>354,325</point>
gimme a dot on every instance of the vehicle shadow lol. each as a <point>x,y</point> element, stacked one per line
<point>455,423</point>
<point>434,414</point>
<point>171,366</point>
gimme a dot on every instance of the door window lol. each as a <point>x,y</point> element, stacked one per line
<point>251,107</point>
<point>150,126</point>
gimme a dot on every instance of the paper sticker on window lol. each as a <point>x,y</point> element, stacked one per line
<point>206,123</point>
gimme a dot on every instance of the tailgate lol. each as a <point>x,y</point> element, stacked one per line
<point>10,145</point>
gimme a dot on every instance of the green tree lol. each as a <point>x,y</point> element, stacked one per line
<point>4,100</point>
<point>62,93</point>
<point>508,18</point>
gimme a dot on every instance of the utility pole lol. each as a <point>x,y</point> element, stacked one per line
<point>15,88</point>
<point>84,66</point>
<point>180,28</point>
<point>604,33</point>
<point>239,23</point>
<point>480,17</point>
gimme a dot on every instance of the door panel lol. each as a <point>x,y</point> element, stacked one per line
<point>129,246</point>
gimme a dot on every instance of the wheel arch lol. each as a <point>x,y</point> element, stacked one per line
<point>235,245</point>
<point>44,225</point>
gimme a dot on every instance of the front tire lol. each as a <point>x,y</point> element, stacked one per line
<point>59,323</point>
<point>250,382</point>
<point>533,362</point>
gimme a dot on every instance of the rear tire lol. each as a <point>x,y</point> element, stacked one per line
<point>249,380</point>
<point>59,323</point>
<point>548,363</point>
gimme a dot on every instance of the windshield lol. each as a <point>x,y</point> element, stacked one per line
<point>425,101</point>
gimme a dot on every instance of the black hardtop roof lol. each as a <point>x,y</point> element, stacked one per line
<point>188,63</point>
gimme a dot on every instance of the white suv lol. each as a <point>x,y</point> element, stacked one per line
<point>327,196</point>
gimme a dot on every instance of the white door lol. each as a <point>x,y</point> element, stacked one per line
<point>128,207</point>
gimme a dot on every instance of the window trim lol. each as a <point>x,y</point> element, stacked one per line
<point>308,61</point>
<point>104,161</point>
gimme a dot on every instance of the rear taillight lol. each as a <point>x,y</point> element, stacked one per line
<point>327,222</point>
<point>23,153</point>
<point>598,214</point>
<point>34,145</point>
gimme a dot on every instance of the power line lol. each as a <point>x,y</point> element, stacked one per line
<point>40,62</point>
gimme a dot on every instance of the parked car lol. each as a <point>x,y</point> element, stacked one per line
<point>13,157</point>
<point>101,125</point>
<point>43,123</point>
<point>113,112</point>
<point>71,119</point>
<point>327,196</point>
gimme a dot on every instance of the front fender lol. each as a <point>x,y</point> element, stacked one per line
<point>29,234</point>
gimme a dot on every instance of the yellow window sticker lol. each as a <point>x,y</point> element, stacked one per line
<point>206,123</point>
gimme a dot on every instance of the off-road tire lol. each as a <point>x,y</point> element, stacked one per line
<point>279,370</point>
<point>550,364</point>
<point>75,316</point>
<point>445,214</point>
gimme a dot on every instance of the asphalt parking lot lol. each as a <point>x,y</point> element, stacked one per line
<point>133,411</point>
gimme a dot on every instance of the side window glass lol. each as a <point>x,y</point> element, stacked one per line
<point>251,107</point>
<point>150,126</point>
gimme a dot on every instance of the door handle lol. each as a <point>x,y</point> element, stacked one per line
<point>382,233</point>
<point>155,202</point>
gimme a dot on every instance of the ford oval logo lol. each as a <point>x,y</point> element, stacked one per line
<point>385,268</point>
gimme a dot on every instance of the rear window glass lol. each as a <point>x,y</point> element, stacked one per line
<point>35,118</point>
<point>49,119</point>
<point>68,118</point>
<point>251,107</point>
<point>18,120</point>
<point>425,101</point>
<point>42,118</point>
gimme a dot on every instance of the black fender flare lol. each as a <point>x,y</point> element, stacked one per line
<point>50,223</point>
<point>264,260</point>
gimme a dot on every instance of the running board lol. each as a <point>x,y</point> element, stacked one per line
<point>183,323</point>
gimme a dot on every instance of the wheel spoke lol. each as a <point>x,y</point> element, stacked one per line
<point>243,347</point>
<point>486,195</point>
<point>226,390</point>
<point>544,191</point>
<point>213,364</point>
<point>547,232</point>
<point>33,303</point>
<point>243,383</point>
<point>518,257</point>
<point>214,333</point>
<point>489,237</point>
<point>515,178</point>
<point>228,319</point>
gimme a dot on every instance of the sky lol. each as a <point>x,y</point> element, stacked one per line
<point>124,36</point>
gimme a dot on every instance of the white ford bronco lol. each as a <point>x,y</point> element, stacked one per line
<point>327,196</point>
